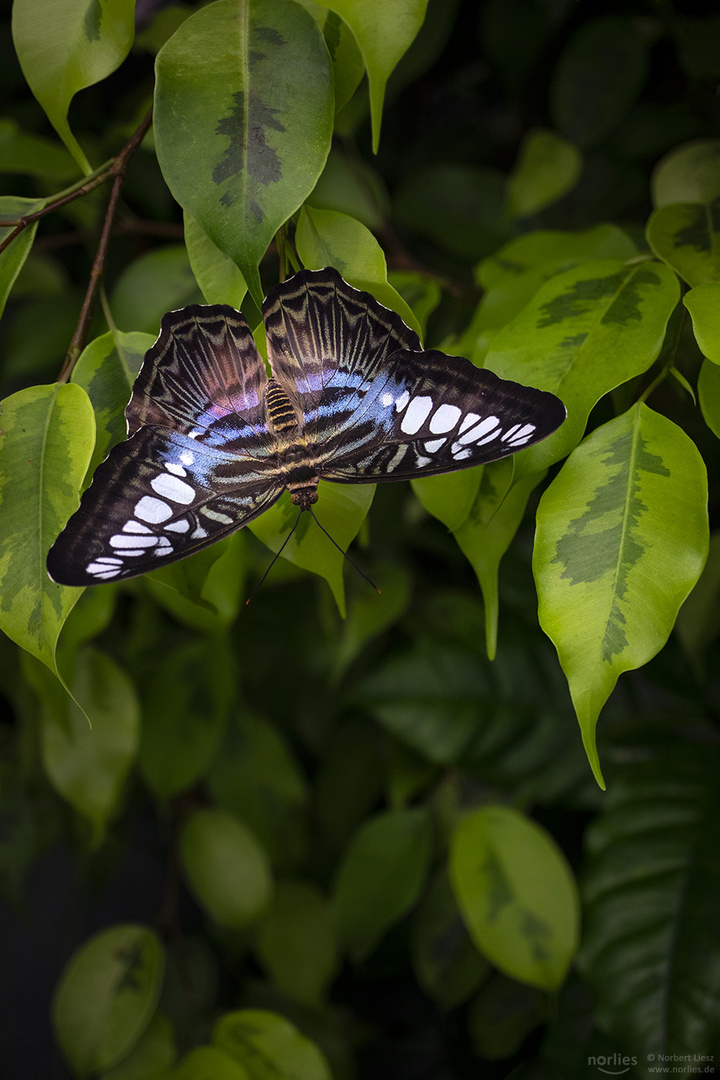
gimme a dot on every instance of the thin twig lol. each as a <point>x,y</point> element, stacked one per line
<point>118,170</point>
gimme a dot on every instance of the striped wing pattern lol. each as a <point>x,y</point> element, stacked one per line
<point>211,445</point>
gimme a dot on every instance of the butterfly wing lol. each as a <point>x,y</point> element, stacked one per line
<point>199,462</point>
<point>377,407</point>
<point>156,498</point>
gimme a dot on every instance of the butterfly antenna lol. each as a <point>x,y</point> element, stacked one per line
<point>276,557</point>
<point>344,553</point>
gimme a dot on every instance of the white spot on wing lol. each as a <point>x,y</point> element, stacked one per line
<point>122,541</point>
<point>469,420</point>
<point>416,415</point>
<point>421,462</point>
<point>476,434</point>
<point>176,470</point>
<point>444,419</point>
<point>187,457</point>
<point>107,559</point>
<point>199,533</point>
<point>396,458</point>
<point>522,435</point>
<point>171,487</point>
<point>402,401</point>
<point>135,527</point>
<point>100,570</point>
<point>387,400</point>
<point>461,454</point>
<point>153,510</point>
<point>180,526</point>
<point>434,445</point>
<point>215,515</point>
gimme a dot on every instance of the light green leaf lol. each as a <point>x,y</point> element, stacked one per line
<point>622,537</point>
<point>547,168</point>
<point>13,257</point>
<point>46,439</point>
<point>64,47</point>
<point>584,333</point>
<point>153,1052</point>
<point>269,1047</point>
<point>106,997</point>
<point>687,237</point>
<point>451,497</point>
<point>158,281</point>
<point>88,766</point>
<point>688,174</point>
<point>33,155</point>
<point>347,62</point>
<point>243,121</point>
<point>488,531</point>
<point>709,395</point>
<point>341,509</point>
<point>329,238</point>
<point>517,895</point>
<point>209,1063</point>
<point>226,868</point>
<point>512,275</point>
<point>106,370</point>
<point>296,942</point>
<point>185,709</point>
<point>703,303</point>
<point>384,31</point>
<point>380,878</point>
<point>217,275</point>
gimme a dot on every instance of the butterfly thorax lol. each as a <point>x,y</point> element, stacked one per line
<point>300,477</point>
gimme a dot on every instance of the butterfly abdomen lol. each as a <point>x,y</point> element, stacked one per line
<point>299,475</point>
<point>280,413</point>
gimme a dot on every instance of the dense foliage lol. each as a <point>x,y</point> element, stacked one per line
<point>331,833</point>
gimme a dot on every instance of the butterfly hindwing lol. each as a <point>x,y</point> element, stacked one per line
<point>156,498</point>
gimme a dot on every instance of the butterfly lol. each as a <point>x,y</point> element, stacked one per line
<point>213,442</point>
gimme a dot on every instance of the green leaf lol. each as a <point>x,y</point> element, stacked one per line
<point>296,942</point>
<point>703,303</point>
<point>341,509</point>
<point>204,591</point>
<point>384,30</point>
<point>106,997</point>
<point>153,1052</point>
<point>451,497</point>
<point>158,281</point>
<point>347,62</point>
<point>688,174</point>
<point>269,1047</point>
<point>502,1016</point>
<point>698,624</point>
<point>598,78</point>
<point>582,334</point>
<point>651,949</point>
<point>517,895</point>
<point>209,1063</point>
<point>62,48</point>
<point>380,877</point>
<point>329,238</point>
<point>709,395</point>
<point>622,537</point>
<point>430,697</point>
<point>488,531</point>
<point>242,143</point>
<point>218,277</point>
<point>106,370</point>
<point>46,439</point>
<point>687,237</point>
<point>88,766</point>
<point>369,614</point>
<point>186,700</point>
<point>548,167</point>
<point>13,257</point>
<point>33,155</point>
<point>257,778</point>
<point>447,964</point>
<point>350,187</point>
<point>226,868</point>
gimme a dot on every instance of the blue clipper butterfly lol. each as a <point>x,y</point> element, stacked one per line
<point>213,442</point>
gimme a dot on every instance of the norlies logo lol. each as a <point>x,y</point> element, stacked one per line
<point>613,1064</point>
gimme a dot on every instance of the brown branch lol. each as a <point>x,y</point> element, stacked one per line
<point>18,225</point>
<point>117,170</point>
